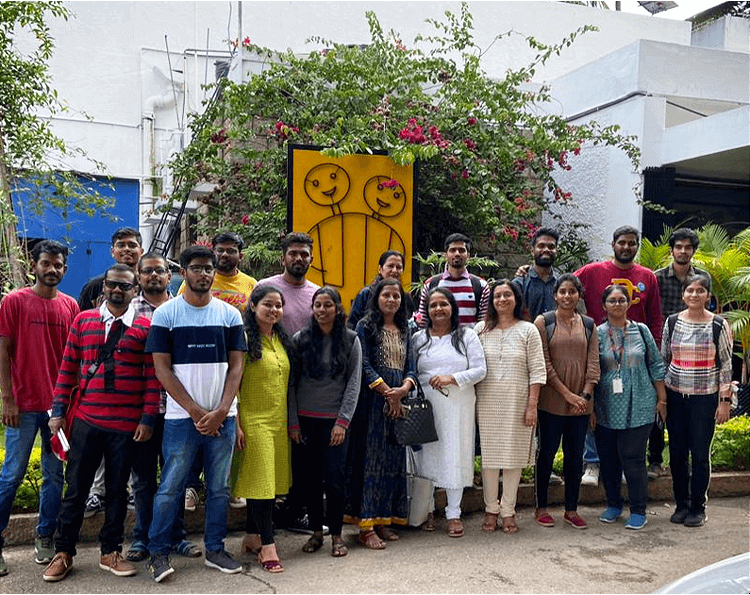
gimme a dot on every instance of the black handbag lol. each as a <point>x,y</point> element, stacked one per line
<point>418,424</point>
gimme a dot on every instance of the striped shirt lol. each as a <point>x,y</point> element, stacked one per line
<point>135,399</point>
<point>670,289</point>
<point>691,357</point>
<point>461,288</point>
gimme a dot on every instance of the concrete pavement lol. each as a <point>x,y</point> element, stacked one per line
<point>601,559</point>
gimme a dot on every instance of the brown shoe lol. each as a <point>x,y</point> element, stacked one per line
<point>117,565</point>
<point>59,568</point>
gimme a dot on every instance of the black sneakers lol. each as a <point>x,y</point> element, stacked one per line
<point>160,567</point>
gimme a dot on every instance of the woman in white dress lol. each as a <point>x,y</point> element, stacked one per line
<point>507,400</point>
<point>449,361</point>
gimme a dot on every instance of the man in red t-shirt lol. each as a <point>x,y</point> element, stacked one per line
<point>34,325</point>
<point>645,306</point>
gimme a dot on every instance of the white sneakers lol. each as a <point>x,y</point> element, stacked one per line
<point>591,475</point>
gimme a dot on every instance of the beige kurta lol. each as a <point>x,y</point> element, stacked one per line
<point>515,361</point>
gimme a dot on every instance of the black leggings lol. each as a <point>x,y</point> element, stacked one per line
<point>260,519</point>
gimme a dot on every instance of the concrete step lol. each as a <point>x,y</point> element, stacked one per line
<point>22,527</point>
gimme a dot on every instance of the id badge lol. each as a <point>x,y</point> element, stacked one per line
<point>617,386</point>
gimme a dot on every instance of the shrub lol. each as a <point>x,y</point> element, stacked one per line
<point>731,445</point>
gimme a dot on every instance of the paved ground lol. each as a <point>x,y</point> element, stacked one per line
<point>602,559</point>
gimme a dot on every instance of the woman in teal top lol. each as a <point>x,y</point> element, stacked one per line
<point>630,390</point>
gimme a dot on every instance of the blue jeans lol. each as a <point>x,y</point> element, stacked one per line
<point>180,446</point>
<point>18,444</point>
<point>590,455</point>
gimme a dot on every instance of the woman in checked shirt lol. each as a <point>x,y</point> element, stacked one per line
<point>698,395</point>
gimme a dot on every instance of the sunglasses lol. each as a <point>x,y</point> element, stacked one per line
<point>121,284</point>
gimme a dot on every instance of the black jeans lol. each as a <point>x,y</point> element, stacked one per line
<point>145,463</point>
<point>624,451</point>
<point>572,430</point>
<point>324,469</point>
<point>691,424</point>
<point>260,519</point>
<point>87,446</point>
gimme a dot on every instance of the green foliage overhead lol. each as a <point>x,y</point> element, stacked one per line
<point>32,157</point>
<point>485,147</point>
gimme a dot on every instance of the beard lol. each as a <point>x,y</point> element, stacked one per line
<point>624,259</point>
<point>544,261</point>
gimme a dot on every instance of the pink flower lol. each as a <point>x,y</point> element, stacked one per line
<point>389,183</point>
<point>465,174</point>
<point>246,42</point>
<point>472,121</point>
<point>470,144</point>
<point>245,219</point>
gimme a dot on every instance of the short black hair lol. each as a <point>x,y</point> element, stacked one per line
<point>457,237</point>
<point>625,230</point>
<point>192,252</point>
<point>153,255</point>
<point>228,236</point>
<point>545,231</point>
<point>570,278</point>
<point>683,233</point>
<point>704,280</point>
<point>295,237</point>
<point>122,268</point>
<point>126,232</point>
<point>50,247</point>
<point>615,287</point>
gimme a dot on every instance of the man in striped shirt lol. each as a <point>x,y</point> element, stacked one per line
<point>471,292</point>
<point>117,406</point>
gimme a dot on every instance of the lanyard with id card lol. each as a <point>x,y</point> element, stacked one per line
<point>617,385</point>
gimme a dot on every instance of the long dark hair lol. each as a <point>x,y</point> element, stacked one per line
<point>254,339</point>
<point>491,318</point>
<point>310,343</point>
<point>457,331</point>
<point>381,261</point>
<point>373,318</point>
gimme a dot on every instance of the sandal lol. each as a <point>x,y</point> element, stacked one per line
<point>188,549</point>
<point>370,540</point>
<point>251,543</point>
<point>339,549</point>
<point>509,525</point>
<point>429,524</point>
<point>313,544</point>
<point>455,528</point>
<point>490,522</point>
<point>386,533</point>
<point>271,564</point>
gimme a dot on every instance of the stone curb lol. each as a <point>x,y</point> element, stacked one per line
<point>22,527</point>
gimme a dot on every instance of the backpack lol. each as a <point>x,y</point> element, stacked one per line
<point>476,286</point>
<point>716,325</point>
<point>550,322</point>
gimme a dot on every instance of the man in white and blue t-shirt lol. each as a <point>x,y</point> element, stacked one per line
<point>197,342</point>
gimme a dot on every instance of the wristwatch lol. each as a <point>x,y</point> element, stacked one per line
<point>725,400</point>
<point>586,396</point>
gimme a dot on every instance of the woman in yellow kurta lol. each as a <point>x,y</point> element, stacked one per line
<point>260,468</point>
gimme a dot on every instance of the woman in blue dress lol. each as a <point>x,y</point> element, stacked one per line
<point>376,486</point>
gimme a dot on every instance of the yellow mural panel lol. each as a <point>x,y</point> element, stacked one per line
<point>355,208</point>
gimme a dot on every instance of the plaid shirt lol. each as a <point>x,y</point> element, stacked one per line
<point>670,289</point>
<point>145,308</point>
<point>691,357</point>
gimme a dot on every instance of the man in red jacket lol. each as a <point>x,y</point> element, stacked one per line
<point>118,404</point>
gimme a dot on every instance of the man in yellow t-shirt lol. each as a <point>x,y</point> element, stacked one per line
<point>230,284</point>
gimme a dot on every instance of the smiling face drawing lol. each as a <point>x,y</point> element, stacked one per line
<point>327,184</point>
<point>384,201</point>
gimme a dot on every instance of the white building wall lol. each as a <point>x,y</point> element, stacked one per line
<point>111,59</point>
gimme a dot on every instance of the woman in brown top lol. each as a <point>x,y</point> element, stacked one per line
<point>571,354</point>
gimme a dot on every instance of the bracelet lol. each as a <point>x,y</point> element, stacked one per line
<point>662,403</point>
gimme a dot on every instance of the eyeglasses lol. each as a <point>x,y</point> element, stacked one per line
<point>121,284</point>
<point>230,251</point>
<point>197,269</point>
<point>443,391</point>
<point>151,271</point>
<point>616,302</point>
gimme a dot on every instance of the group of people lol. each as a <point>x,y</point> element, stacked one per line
<point>268,389</point>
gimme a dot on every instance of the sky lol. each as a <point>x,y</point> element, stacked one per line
<point>685,8</point>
